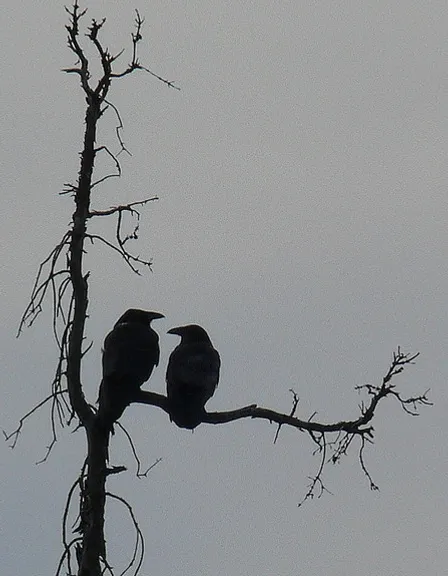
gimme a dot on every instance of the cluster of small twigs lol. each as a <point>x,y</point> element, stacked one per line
<point>359,429</point>
<point>52,280</point>
<point>119,245</point>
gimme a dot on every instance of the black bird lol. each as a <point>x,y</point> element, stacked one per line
<point>192,375</point>
<point>131,350</point>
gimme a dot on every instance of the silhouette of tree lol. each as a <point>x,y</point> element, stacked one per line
<point>62,279</point>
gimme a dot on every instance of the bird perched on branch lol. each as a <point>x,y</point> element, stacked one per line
<point>131,351</point>
<point>192,375</point>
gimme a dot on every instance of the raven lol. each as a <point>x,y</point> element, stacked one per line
<point>131,350</point>
<point>192,375</point>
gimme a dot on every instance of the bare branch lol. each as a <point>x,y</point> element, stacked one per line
<point>48,451</point>
<point>14,435</point>
<point>127,257</point>
<point>66,553</point>
<point>138,473</point>
<point>123,208</point>
<point>118,128</point>
<point>73,33</point>
<point>316,481</point>
<point>169,83</point>
<point>117,166</point>
<point>154,399</point>
<point>67,545</point>
<point>115,470</point>
<point>373,486</point>
<point>42,284</point>
<point>140,541</point>
<point>295,403</point>
<point>135,64</point>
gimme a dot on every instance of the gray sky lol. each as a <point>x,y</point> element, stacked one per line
<point>302,220</point>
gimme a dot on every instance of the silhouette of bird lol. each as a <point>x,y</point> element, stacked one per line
<point>130,353</point>
<point>192,375</point>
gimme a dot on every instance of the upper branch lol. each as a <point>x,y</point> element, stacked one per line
<point>73,33</point>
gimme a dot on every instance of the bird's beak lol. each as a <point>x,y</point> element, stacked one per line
<point>176,330</point>
<point>157,315</point>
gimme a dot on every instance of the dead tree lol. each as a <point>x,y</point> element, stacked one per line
<point>62,278</point>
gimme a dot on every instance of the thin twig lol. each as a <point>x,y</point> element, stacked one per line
<point>140,542</point>
<point>14,435</point>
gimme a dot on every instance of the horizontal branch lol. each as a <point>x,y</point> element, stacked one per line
<point>254,411</point>
<point>153,399</point>
<point>123,208</point>
<point>358,426</point>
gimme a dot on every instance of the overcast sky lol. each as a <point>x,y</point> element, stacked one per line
<point>302,221</point>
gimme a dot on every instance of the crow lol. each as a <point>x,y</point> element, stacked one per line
<point>130,353</point>
<point>192,375</point>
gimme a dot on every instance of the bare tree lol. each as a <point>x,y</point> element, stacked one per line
<point>62,279</point>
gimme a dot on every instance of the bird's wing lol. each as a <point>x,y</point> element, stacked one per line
<point>131,349</point>
<point>196,367</point>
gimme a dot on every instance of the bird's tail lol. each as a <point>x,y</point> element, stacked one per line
<point>114,397</point>
<point>186,415</point>
<point>111,402</point>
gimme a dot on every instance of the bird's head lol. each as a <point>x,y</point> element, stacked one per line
<point>190,333</point>
<point>139,316</point>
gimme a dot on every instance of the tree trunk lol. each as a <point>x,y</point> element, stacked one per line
<point>93,502</point>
